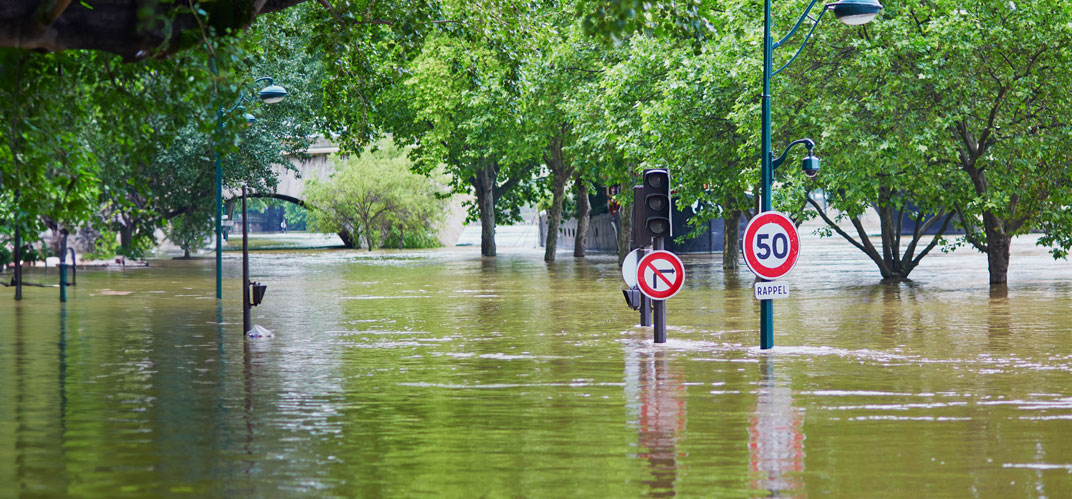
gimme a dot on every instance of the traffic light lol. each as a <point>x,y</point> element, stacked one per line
<point>653,207</point>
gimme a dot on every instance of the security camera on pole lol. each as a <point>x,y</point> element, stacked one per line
<point>656,276</point>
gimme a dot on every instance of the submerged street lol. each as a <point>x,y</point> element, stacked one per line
<point>437,372</point>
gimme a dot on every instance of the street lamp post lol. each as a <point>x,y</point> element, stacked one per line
<point>268,95</point>
<point>851,12</point>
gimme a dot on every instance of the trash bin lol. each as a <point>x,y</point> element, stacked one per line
<point>258,293</point>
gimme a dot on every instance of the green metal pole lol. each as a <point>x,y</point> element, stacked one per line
<point>219,225</point>
<point>245,266</point>
<point>18,245</point>
<point>18,252</point>
<point>219,189</point>
<point>766,307</point>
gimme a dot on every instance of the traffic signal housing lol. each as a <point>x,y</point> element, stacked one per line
<point>652,199</point>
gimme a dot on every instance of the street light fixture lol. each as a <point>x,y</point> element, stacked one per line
<point>270,94</point>
<point>855,12</point>
<point>850,12</point>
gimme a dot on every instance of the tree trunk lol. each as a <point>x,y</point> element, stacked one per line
<point>126,234</point>
<point>554,217</point>
<point>560,174</point>
<point>625,226</point>
<point>998,231</point>
<point>347,238</point>
<point>892,264</point>
<point>186,252</point>
<point>485,196</point>
<point>584,212</point>
<point>731,241</point>
<point>997,249</point>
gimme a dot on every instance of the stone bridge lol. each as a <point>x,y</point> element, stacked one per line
<point>320,165</point>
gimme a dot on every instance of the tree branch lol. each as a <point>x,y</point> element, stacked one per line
<point>934,241</point>
<point>970,232</point>
<point>834,225</point>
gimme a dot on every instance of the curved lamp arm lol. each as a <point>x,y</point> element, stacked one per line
<point>238,104</point>
<point>241,100</point>
<point>776,162</point>
<point>799,22</point>
<point>805,43</point>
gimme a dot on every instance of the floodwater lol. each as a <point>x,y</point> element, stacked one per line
<point>438,373</point>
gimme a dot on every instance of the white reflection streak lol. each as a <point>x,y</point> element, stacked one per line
<point>776,436</point>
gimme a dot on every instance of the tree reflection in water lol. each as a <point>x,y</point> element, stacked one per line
<point>776,436</point>
<point>655,389</point>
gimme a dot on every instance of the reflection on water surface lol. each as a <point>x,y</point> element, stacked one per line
<point>443,373</point>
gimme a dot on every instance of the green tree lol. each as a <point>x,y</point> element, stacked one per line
<point>466,117</point>
<point>160,157</point>
<point>371,195</point>
<point>48,177</point>
<point>189,231</point>
<point>965,112</point>
<point>296,216</point>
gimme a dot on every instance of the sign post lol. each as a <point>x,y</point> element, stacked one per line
<point>771,247</point>
<point>660,275</point>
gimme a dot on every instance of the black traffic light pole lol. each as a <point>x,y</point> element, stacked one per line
<point>639,231</point>
<point>645,302</point>
<point>659,306</point>
<point>652,224</point>
<point>245,265</point>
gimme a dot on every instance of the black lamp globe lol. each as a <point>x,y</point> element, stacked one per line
<point>855,12</point>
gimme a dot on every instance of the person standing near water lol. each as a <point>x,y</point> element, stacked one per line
<point>283,225</point>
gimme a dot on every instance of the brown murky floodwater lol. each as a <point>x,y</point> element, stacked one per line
<point>439,373</point>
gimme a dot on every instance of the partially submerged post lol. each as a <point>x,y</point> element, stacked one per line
<point>63,265</point>
<point>18,248</point>
<point>245,265</point>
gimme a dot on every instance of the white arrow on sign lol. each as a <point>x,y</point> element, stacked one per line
<point>660,275</point>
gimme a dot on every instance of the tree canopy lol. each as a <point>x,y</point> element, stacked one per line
<point>936,116</point>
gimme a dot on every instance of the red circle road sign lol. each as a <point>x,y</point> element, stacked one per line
<point>771,245</point>
<point>660,275</point>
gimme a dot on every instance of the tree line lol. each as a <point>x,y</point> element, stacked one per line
<point>951,115</point>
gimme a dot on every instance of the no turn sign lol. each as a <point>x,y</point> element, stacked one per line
<point>771,245</point>
<point>660,275</point>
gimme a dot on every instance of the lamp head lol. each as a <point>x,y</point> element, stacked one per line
<point>855,12</point>
<point>272,94</point>
<point>810,166</point>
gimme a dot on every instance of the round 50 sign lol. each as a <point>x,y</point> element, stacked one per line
<point>771,245</point>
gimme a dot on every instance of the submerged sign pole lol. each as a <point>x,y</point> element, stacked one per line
<point>658,308</point>
<point>660,275</point>
<point>771,247</point>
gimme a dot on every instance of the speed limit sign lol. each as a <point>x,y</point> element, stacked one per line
<point>771,245</point>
